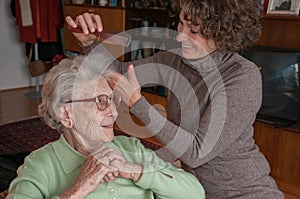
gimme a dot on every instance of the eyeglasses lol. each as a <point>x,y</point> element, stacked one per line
<point>102,101</point>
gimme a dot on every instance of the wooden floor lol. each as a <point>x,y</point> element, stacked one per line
<point>15,105</point>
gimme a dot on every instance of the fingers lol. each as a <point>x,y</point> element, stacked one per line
<point>93,173</point>
<point>88,22</point>
<point>113,78</point>
<point>136,94</point>
<point>111,176</point>
<point>116,163</point>
<point>122,167</point>
<point>131,75</point>
<point>71,22</point>
<point>104,173</point>
<point>94,168</point>
<point>105,155</point>
<point>98,22</point>
<point>126,169</point>
<point>80,19</point>
<point>114,155</point>
<point>128,88</point>
<point>117,80</point>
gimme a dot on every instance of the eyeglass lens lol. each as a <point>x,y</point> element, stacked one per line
<point>103,101</point>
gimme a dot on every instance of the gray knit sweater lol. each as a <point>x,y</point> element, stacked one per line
<point>212,105</point>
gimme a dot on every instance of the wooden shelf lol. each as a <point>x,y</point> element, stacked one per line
<point>280,31</point>
<point>282,17</point>
<point>163,9</point>
<point>281,148</point>
<point>95,5</point>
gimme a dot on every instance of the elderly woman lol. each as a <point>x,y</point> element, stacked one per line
<point>88,161</point>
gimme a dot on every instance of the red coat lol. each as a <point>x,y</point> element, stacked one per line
<point>49,13</point>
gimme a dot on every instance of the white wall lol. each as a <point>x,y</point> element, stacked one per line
<point>13,69</point>
<point>13,60</point>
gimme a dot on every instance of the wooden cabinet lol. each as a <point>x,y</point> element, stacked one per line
<point>280,31</point>
<point>113,18</point>
<point>281,148</point>
<point>279,145</point>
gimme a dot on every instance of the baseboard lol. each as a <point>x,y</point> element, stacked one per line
<point>19,88</point>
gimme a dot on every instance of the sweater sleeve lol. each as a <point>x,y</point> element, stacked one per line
<point>222,123</point>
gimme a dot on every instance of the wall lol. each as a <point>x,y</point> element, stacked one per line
<point>13,68</point>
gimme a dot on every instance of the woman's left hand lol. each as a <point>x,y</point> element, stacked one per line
<point>106,155</point>
<point>128,88</point>
<point>127,169</point>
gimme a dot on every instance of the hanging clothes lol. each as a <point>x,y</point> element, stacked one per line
<point>46,17</point>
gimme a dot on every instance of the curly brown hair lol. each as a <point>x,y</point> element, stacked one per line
<point>233,24</point>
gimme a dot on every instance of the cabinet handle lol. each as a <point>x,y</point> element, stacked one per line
<point>91,10</point>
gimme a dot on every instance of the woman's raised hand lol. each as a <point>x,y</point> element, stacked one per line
<point>89,23</point>
<point>128,88</point>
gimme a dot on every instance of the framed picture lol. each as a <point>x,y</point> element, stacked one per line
<point>285,7</point>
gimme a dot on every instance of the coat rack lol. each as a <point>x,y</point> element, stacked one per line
<point>36,93</point>
<point>38,22</point>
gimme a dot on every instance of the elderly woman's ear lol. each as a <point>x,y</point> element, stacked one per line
<point>65,116</point>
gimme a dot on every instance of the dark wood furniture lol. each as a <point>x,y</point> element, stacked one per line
<point>279,145</point>
<point>280,31</point>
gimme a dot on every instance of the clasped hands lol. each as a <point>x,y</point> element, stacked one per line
<point>104,165</point>
<point>112,164</point>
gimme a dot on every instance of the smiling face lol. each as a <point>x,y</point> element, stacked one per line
<point>193,45</point>
<point>93,126</point>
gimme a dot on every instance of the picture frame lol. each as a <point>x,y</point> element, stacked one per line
<point>283,7</point>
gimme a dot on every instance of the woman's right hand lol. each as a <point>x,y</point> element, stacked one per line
<point>92,174</point>
<point>89,23</point>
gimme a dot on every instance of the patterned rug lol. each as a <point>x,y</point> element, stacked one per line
<point>28,135</point>
<point>18,139</point>
<point>25,136</point>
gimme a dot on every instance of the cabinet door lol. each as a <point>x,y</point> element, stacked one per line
<point>280,31</point>
<point>112,19</point>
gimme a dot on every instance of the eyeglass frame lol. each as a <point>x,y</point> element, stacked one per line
<point>97,100</point>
